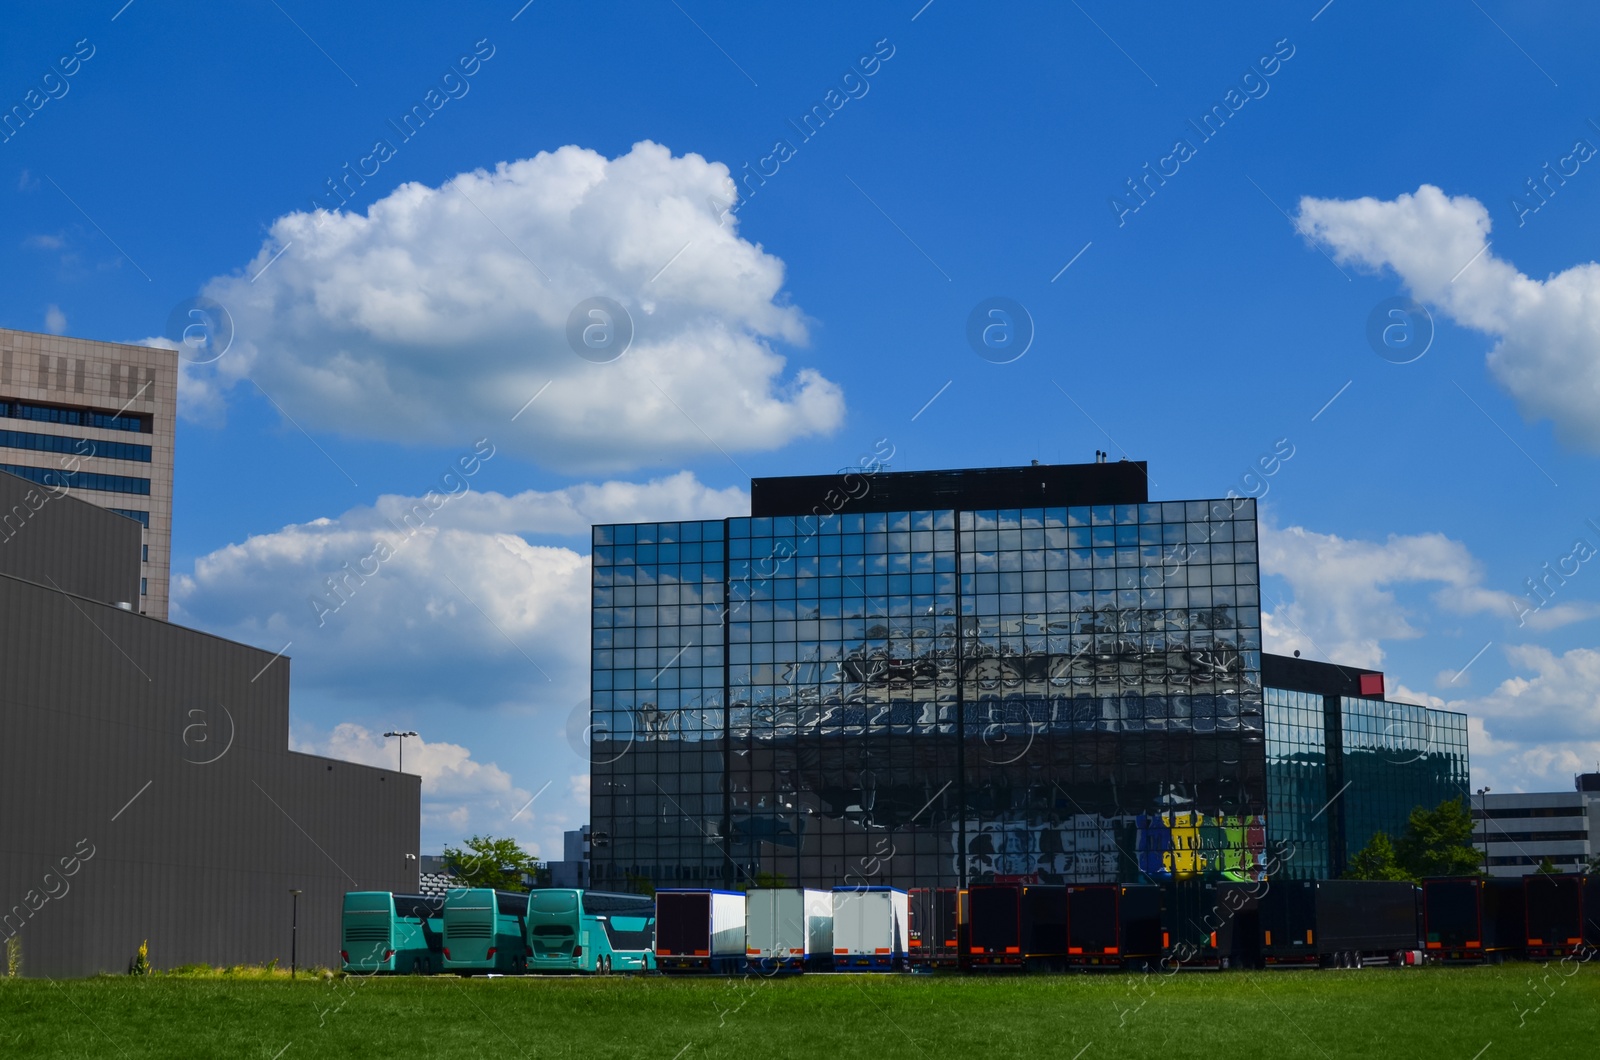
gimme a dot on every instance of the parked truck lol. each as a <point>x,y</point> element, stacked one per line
<point>1044,926</point>
<point>700,931</point>
<point>934,927</point>
<point>994,932</point>
<point>1112,925</point>
<point>870,928</point>
<point>1340,923</point>
<point>1210,925</point>
<point>1472,920</point>
<point>788,929</point>
<point>1563,913</point>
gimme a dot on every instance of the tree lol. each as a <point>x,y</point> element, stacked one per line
<point>1376,861</point>
<point>1547,867</point>
<point>490,862</point>
<point>1438,842</point>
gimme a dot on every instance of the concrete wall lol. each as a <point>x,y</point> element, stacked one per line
<point>146,792</point>
<point>51,537</point>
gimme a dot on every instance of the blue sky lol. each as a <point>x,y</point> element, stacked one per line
<point>969,152</point>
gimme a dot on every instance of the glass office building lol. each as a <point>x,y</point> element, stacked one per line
<point>1397,756</point>
<point>1343,762</point>
<point>1297,780</point>
<point>930,693</point>
<point>932,678</point>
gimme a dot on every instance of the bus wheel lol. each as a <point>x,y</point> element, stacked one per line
<point>607,962</point>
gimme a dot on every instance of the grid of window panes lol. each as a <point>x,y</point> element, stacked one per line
<point>927,698</point>
<point>1297,783</point>
<point>1111,691</point>
<point>842,697</point>
<point>1398,756</point>
<point>656,746</point>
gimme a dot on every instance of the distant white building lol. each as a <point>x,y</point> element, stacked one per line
<point>436,884</point>
<point>1521,829</point>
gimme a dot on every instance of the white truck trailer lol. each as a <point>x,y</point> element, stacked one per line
<point>788,929</point>
<point>699,931</point>
<point>869,928</point>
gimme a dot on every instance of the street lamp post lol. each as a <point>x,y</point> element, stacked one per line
<point>1483,815</point>
<point>402,736</point>
<point>294,933</point>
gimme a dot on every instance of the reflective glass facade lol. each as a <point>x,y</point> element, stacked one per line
<point>928,697</point>
<point>1297,781</point>
<point>1398,756</point>
<point>659,751</point>
<point>1340,768</point>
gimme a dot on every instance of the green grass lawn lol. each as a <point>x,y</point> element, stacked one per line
<point>1450,1013</point>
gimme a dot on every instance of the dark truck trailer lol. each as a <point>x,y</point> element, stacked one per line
<point>1563,913</point>
<point>936,927</point>
<point>1044,926</point>
<point>1339,923</point>
<point>700,931</point>
<point>1111,925</point>
<point>1210,925</point>
<point>1472,920</point>
<point>994,926</point>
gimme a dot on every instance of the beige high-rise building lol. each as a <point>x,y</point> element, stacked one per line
<point>95,419</point>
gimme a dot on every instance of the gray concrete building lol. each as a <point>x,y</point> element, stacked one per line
<point>147,786</point>
<point>1519,830</point>
<point>95,418</point>
<point>573,868</point>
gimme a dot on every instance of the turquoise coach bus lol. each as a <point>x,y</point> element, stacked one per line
<point>590,931</point>
<point>384,933</point>
<point>485,931</point>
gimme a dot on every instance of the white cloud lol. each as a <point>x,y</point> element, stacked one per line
<point>1536,729</point>
<point>1344,607</point>
<point>427,317</point>
<point>422,587</point>
<point>377,613</point>
<point>1530,733</point>
<point>460,796</point>
<point>55,321</point>
<point>572,510</point>
<point>1548,351</point>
